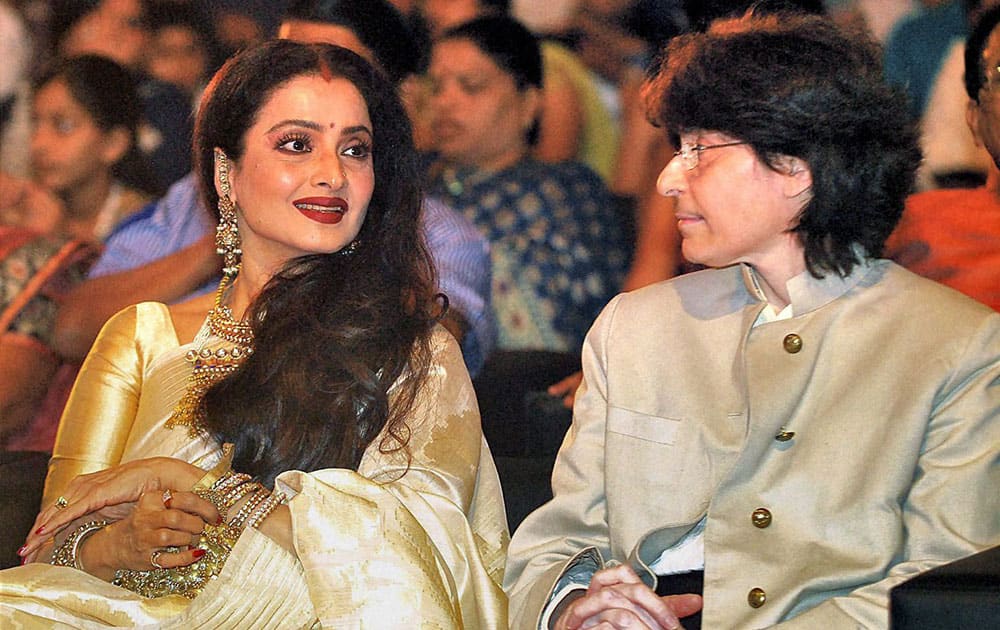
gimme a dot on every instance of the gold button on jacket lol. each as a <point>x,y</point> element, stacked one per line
<point>756,597</point>
<point>761,518</point>
<point>784,436</point>
<point>792,343</point>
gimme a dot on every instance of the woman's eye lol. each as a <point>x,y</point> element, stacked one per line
<point>472,86</point>
<point>64,125</point>
<point>360,150</point>
<point>295,145</point>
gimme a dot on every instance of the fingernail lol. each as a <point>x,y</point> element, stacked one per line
<point>219,520</point>
<point>198,553</point>
<point>23,561</point>
<point>21,551</point>
<point>40,530</point>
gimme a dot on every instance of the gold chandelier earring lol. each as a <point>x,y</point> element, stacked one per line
<point>227,234</point>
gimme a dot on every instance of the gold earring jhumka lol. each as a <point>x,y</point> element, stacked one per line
<point>212,365</point>
<point>227,234</point>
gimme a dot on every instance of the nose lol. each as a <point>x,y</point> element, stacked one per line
<point>443,94</point>
<point>40,141</point>
<point>672,180</point>
<point>329,171</point>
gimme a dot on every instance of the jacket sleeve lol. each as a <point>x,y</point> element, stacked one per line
<point>548,547</point>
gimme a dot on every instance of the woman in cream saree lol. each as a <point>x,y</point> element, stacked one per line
<point>409,531</point>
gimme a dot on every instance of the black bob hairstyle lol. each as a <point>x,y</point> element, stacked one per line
<point>798,85</point>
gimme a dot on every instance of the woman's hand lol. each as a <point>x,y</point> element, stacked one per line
<point>26,204</point>
<point>566,388</point>
<point>88,494</point>
<point>159,520</point>
<point>617,598</point>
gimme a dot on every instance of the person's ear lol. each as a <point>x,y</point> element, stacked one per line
<point>531,109</point>
<point>116,144</point>
<point>797,175</point>
<point>972,115</point>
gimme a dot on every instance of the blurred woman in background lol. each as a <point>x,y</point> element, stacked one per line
<point>557,247</point>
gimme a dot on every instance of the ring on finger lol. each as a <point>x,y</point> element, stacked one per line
<point>154,558</point>
<point>167,496</point>
<point>61,503</point>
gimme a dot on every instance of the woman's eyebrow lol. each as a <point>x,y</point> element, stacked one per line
<point>296,122</point>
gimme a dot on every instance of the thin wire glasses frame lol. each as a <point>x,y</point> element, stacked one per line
<point>690,153</point>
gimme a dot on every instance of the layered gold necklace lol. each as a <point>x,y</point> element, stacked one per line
<point>211,366</point>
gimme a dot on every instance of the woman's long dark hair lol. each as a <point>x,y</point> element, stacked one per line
<point>110,95</point>
<point>332,332</point>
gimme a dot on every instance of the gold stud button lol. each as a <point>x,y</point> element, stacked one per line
<point>761,518</point>
<point>783,435</point>
<point>756,597</point>
<point>792,343</point>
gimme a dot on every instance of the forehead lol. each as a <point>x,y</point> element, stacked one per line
<point>314,98</point>
<point>121,8</point>
<point>56,93</point>
<point>462,54</point>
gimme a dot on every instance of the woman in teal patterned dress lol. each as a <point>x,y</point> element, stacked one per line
<point>557,244</point>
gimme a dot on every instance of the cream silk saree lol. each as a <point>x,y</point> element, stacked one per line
<point>391,545</point>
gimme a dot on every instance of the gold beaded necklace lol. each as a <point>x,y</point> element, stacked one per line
<point>211,366</point>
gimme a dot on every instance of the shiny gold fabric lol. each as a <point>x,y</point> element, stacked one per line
<point>383,547</point>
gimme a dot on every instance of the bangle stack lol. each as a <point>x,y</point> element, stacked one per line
<point>68,553</point>
<point>224,492</point>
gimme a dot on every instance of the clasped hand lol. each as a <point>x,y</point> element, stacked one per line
<point>617,598</point>
<point>145,519</point>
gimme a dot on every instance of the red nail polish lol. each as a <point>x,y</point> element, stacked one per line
<point>23,561</point>
<point>21,551</point>
<point>219,520</point>
<point>40,530</point>
<point>198,553</point>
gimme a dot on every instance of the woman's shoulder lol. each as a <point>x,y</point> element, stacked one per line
<point>444,349</point>
<point>142,319</point>
<point>144,329</point>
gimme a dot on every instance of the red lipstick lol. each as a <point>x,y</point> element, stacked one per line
<point>326,210</point>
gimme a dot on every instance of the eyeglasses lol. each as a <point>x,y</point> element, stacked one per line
<point>690,153</point>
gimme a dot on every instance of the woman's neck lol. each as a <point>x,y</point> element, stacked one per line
<point>83,205</point>
<point>247,287</point>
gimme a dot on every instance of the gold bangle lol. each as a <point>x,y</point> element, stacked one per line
<point>236,525</point>
<point>264,509</point>
<point>67,555</point>
<point>227,491</point>
<point>230,498</point>
<point>212,476</point>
